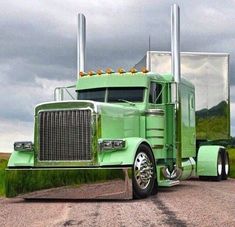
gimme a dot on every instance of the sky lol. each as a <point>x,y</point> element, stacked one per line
<point>38,46</point>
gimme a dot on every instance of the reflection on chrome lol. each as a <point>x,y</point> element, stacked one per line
<point>87,183</point>
<point>209,74</point>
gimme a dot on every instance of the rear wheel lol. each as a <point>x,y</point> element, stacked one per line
<point>144,173</point>
<point>225,165</point>
<point>219,168</point>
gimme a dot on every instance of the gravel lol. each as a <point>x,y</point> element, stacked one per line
<point>192,203</point>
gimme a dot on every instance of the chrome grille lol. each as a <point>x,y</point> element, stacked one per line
<point>65,135</point>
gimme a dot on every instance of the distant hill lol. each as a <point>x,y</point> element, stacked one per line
<point>212,124</point>
<point>218,110</point>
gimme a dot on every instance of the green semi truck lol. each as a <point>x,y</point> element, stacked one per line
<point>128,133</point>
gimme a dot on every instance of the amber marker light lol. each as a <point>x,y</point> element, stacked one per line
<point>144,70</point>
<point>133,70</point>
<point>109,71</point>
<point>81,74</point>
<point>91,73</point>
<point>121,70</point>
<point>100,72</point>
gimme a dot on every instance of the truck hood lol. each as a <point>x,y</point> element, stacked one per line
<point>115,120</point>
<point>97,107</point>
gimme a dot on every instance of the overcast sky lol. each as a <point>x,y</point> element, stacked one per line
<point>38,46</point>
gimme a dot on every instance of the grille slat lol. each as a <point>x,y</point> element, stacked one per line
<point>65,135</point>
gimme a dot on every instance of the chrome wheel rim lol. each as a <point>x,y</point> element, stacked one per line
<point>143,170</point>
<point>219,165</point>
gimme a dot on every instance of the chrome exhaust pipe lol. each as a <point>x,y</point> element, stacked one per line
<point>176,172</point>
<point>81,44</point>
<point>175,42</point>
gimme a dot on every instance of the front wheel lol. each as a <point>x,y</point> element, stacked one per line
<point>144,174</point>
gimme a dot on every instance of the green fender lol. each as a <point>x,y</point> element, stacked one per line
<point>207,160</point>
<point>119,157</point>
<point>123,157</point>
<point>21,158</point>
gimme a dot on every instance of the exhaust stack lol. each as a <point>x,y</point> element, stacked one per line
<point>175,61</point>
<point>81,44</point>
<point>175,42</point>
<point>175,172</point>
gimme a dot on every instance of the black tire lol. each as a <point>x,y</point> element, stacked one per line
<point>225,165</point>
<point>142,189</point>
<point>219,168</point>
<point>155,187</point>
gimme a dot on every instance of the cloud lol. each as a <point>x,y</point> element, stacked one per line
<point>38,43</point>
<point>12,131</point>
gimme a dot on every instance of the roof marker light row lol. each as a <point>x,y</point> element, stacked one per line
<point>110,71</point>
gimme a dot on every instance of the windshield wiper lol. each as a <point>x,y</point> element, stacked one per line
<point>126,101</point>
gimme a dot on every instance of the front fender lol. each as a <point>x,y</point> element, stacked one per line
<point>21,158</point>
<point>125,156</point>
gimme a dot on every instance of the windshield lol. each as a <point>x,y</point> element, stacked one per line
<point>97,94</point>
<point>128,94</point>
<point>131,94</point>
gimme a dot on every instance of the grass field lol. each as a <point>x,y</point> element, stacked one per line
<point>45,180</point>
<point>3,163</point>
<point>232,162</point>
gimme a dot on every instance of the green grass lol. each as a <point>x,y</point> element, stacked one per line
<point>232,162</point>
<point>3,164</point>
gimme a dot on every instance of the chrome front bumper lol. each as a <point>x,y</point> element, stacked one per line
<point>70,183</point>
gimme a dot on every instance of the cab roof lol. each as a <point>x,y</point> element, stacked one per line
<point>138,79</point>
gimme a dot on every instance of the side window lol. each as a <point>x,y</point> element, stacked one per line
<point>155,95</point>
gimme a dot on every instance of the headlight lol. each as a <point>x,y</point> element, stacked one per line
<point>112,144</point>
<point>23,146</point>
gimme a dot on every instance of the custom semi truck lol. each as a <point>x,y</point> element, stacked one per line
<point>128,133</point>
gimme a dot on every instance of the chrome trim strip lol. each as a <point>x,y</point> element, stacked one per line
<point>192,53</point>
<point>95,104</point>
<point>155,112</point>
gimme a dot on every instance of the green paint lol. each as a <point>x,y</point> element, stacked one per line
<point>207,160</point>
<point>115,80</point>
<point>19,158</point>
<point>123,157</point>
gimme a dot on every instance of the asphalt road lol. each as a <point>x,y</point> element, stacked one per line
<point>192,203</point>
